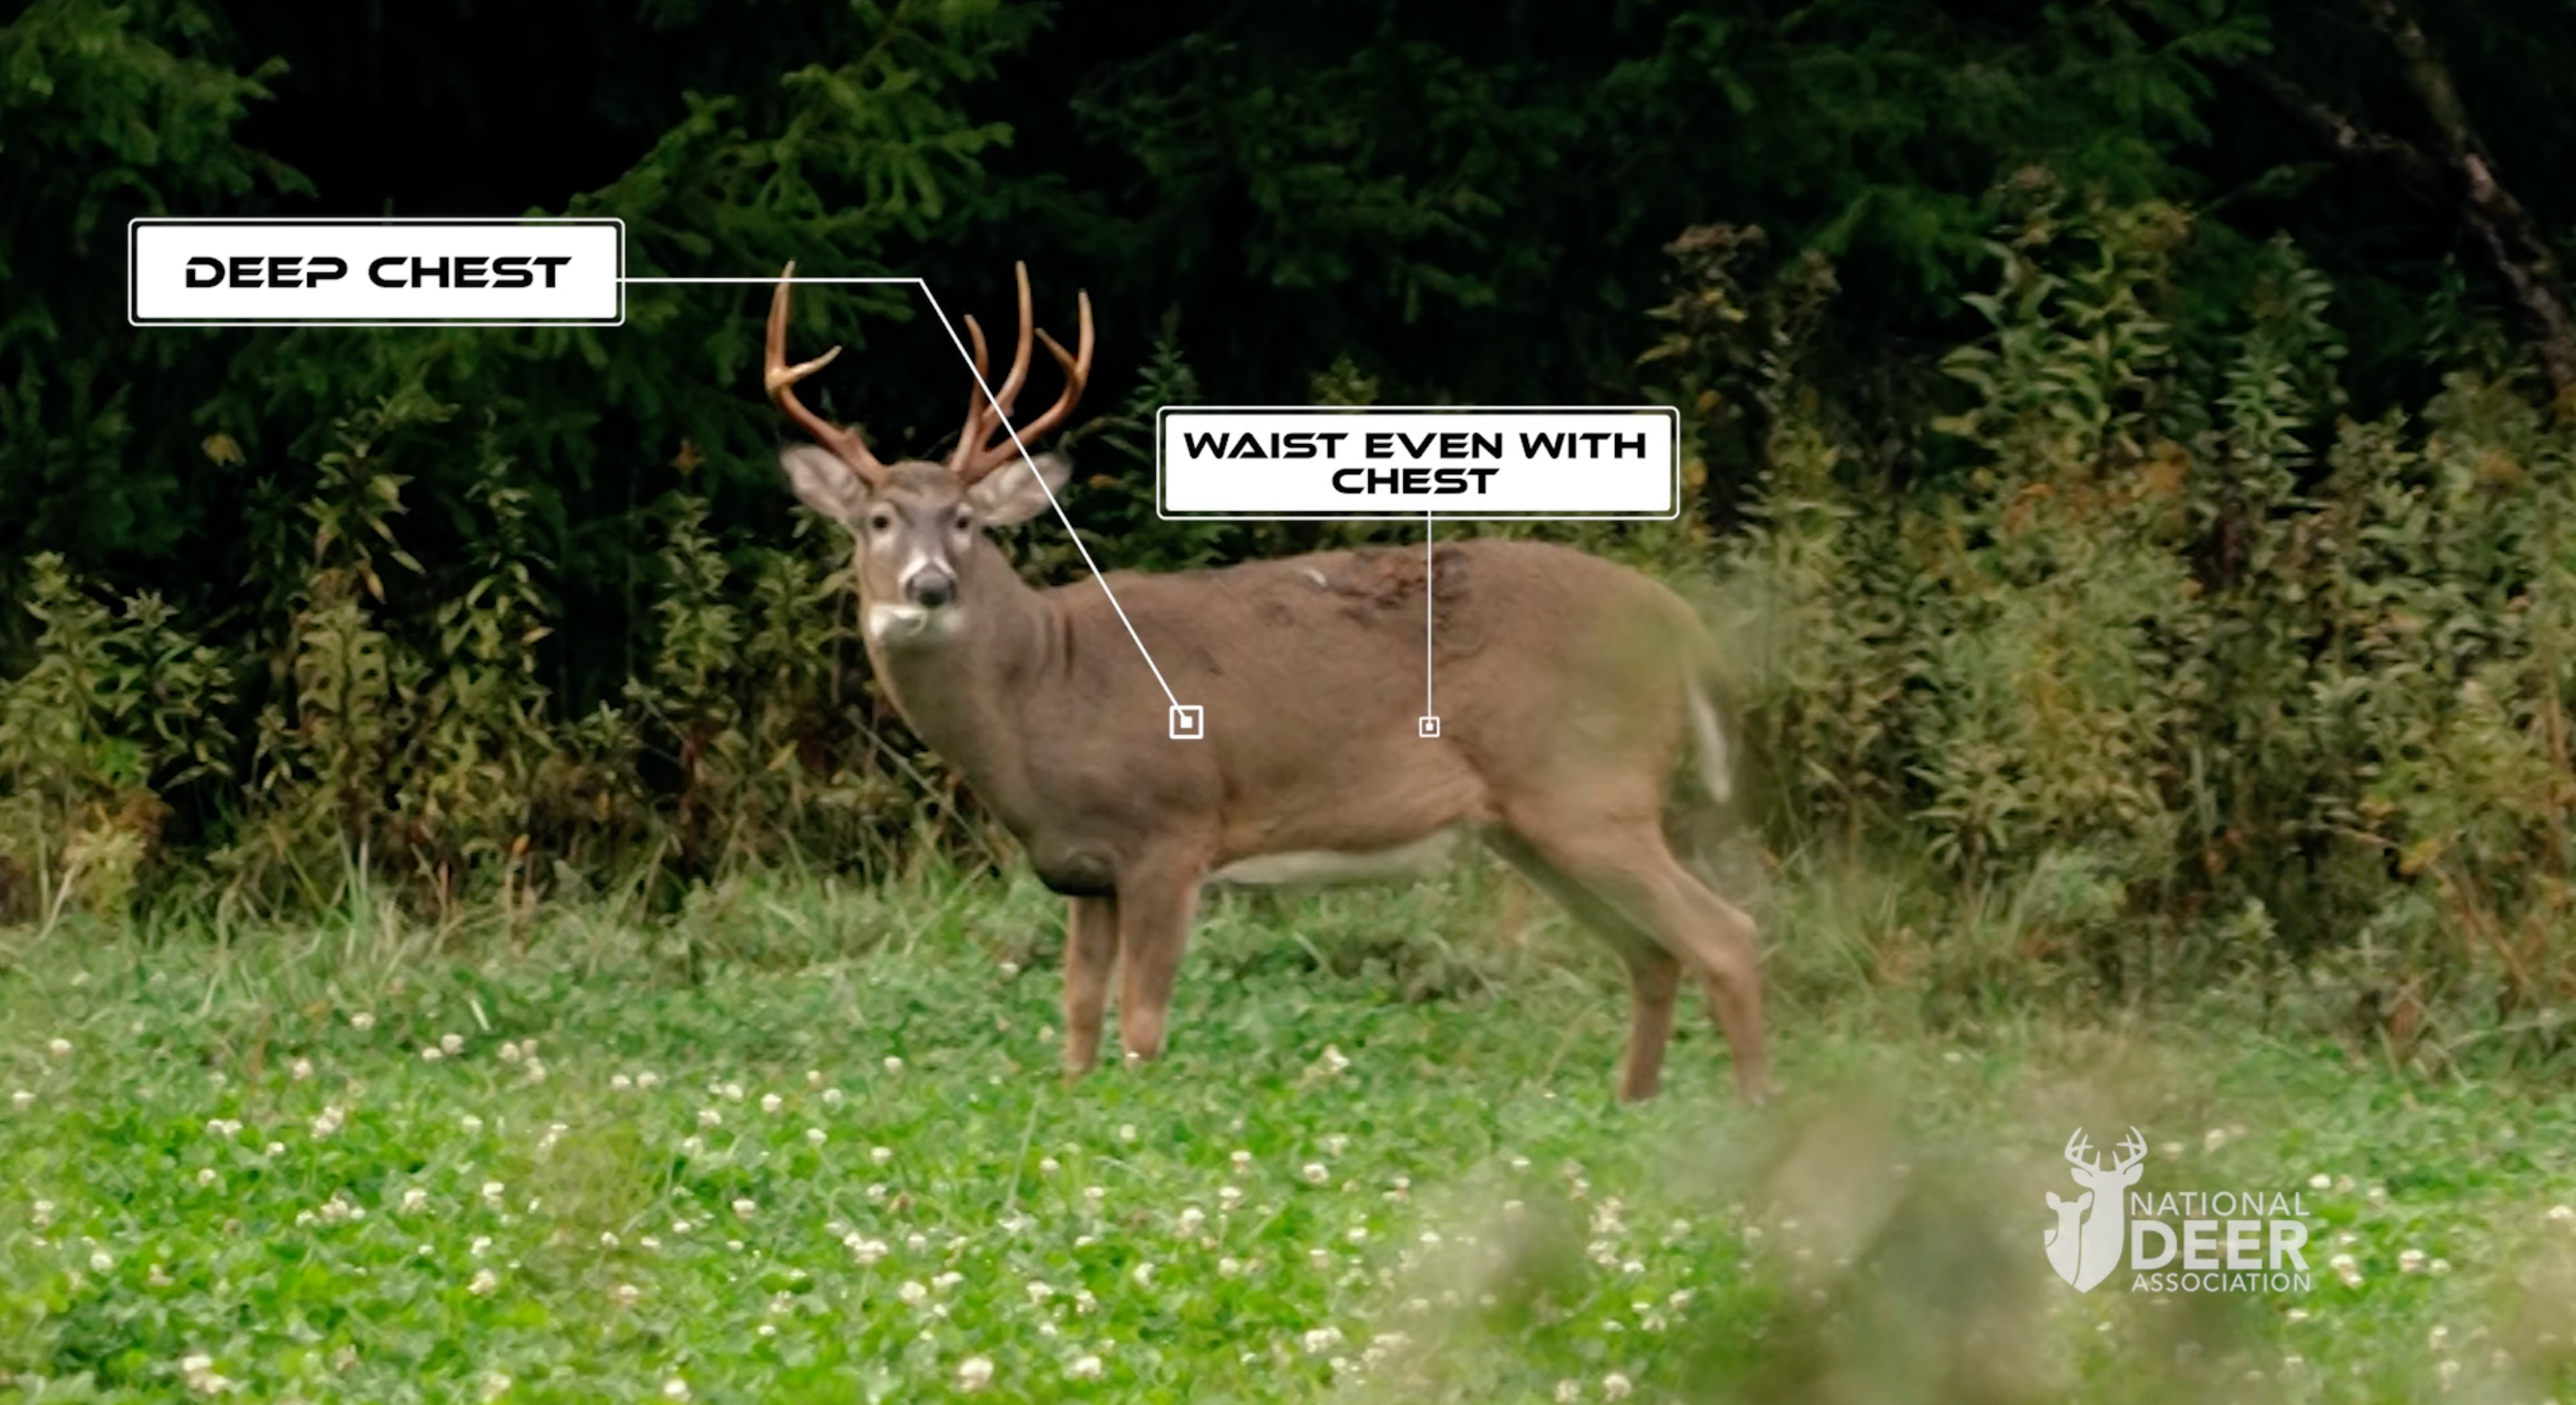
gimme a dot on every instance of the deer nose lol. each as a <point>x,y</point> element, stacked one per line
<point>931,587</point>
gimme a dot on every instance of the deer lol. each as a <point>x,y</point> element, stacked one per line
<point>1572,690</point>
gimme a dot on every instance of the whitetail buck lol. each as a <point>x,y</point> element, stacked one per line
<point>1569,688</point>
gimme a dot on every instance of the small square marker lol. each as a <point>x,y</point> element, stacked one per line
<point>1189,722</point>
<point>1429,727</point>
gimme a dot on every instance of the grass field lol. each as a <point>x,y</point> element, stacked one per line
<point>806,1144</point>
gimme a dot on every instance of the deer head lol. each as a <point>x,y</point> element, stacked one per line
<point>917,524</point>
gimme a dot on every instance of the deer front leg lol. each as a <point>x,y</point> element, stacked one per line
<point>1090,949</point>
<point>1156,902</point>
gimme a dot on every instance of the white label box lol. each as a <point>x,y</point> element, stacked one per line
<point>1467,464</point>
<point>375,272</point>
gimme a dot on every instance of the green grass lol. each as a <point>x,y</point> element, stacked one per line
<point>806,1144</point>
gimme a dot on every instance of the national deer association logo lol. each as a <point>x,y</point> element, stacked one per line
<point>2227,1241</point>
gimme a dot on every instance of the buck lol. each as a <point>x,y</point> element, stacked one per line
<point>1571,690</point>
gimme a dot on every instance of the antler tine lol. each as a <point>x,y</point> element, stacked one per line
<point>2132,1148</point>
<point>976,424</point>
<point>780,378</point>
<point>973,465</point>
<point>983,418</point>
<point>2078,1149</point>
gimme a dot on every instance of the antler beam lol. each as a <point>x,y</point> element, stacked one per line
<point>780,379</point>
<point>978,452</point>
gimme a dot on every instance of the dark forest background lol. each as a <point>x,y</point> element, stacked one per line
<point>2129,439</point>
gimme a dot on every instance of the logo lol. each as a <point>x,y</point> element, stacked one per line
<point>2227,1240</point>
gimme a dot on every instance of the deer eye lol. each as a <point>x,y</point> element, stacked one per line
<point>881,520</point>
<point>965,520</point>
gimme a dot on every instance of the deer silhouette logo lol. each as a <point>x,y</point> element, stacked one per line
<point>2092,1229</point>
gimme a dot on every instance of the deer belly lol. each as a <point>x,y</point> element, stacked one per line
<point>1322,867</point>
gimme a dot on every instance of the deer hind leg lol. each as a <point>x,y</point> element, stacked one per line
<point>1156,903</point>
<point>1090,950</point>
<point>1629,869</point>
<point>1654,974</point>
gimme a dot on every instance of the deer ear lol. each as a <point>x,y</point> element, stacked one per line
<point>823,482</point>
<point>1012,495</point>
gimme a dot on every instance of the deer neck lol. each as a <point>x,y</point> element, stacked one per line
<point>967,693</point>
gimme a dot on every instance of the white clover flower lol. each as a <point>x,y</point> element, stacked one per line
<point>675,1389</point>
<point>100,1262</point>
<point>1228,1197</point>
<point>648,1080</point>
<point>974,1373</point>
<point>224,1128</point>
<point>817,1135</point>
<point>484,1282</point>
<point>2346,1269</point>
<point>494,1190</point>
<point>1319,1340</point>
<point>648,1244</point>
<point>330,1121</point>
<point>710,1117</point>
<point>1242,1161</point>
<point>2558,1214</point>
<point>495,1385</point>
<point>206,1176</point>
<point>744,1209</point>
<point>1615,1386</point>
<point>451,1044</point>
<point>880,1154</point>
<point>1319,1259</point>
<point>2438,1267</point>
<point>894,1064</point>
<point>1334,1144</point>
<point>619,1083</point>
<point>481,1243</point>
<point>536,1070</point>
<point>22,1100</point>
<point>472,1124</point>
<point>2320,1181</point>
<point>1567,1392</point>
<point>509,1051</point>
<point>429,1054</point>
<point>833,1097</point>
<point>1048,1166</point>
<point>1084,1302</point>
<point>912,1293</point>
<point>413,1199</point>
<point>1039,1292</point>
<point>915,1242</point>
<point>1229,1267</point>
<point>2410,1261</point>
<point>946,1281</point>
<point>771,1103</point>
<point>300,1070</point>
<point>867,1251</point>
<point>362,1021</point>
<point>625,1294</point>
<point>691,1146</point>
<point>1191,1219</point>
<point>59,1048</point>
<point>732,1092</point>
<point>1357,1234</point>
<point>1316,1173</point>
<point>1084,1368</point>
<point>1095,1194</point>
<point>1143,1273</point>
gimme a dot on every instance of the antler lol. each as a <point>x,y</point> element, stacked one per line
<point>978,453</point>
<point>2132,1149</point>
<point>846,444</point>
<point>2079,1152</point>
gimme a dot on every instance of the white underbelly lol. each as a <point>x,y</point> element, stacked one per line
<point>1318,867</point>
